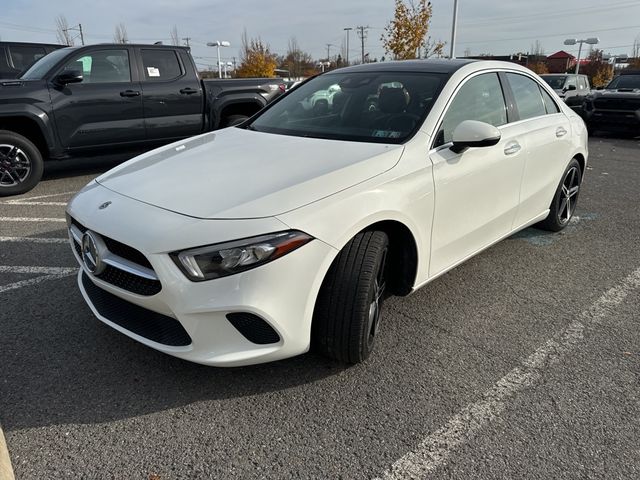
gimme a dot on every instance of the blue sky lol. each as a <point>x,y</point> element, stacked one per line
<point>487,26</point>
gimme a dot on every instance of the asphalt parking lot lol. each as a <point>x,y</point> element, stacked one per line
<point>524,362</point>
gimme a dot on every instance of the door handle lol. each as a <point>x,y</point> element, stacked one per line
<point>188,91</point>
<point>560,132</point>
<point>130,93</point>
<point>512,148</point>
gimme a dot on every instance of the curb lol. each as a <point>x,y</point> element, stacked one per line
<point>6,471</point>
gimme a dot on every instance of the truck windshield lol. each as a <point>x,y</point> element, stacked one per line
<point>39,69</point>
<point>625,81</point>
<point>555,82</point>
<point>380,107</point>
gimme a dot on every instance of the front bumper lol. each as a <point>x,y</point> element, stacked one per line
<point>281,293</point>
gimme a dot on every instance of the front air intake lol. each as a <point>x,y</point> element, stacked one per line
<point>253,328</point>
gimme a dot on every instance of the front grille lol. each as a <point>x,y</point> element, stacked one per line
<point>629,104</point>
<point>118,277</point>
<point>120,249</point>
<point>151,325</point>
<point>253,328</point>
<point>129,281</point>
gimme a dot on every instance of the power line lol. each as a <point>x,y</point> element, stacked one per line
<point>550,35</point>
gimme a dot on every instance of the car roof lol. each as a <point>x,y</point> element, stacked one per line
<point>427,66</point>
<point>125,45</point>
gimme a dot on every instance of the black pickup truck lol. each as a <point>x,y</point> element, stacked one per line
<point>615,108</point>
<point>81,101</point>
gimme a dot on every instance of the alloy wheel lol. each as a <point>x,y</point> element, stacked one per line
<point>15,166</point>
<point>569,195</point>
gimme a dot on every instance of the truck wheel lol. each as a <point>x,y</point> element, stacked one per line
<point>232,120</point>
<point>21,164</point>
<point>349,305</point>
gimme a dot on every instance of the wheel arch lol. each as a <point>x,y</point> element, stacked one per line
<point>29,128</point>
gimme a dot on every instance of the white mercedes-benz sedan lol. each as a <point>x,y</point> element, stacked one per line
<point>288,231</point>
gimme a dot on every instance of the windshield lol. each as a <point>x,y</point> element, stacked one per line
<point>380,107</point>
<point>39,69</point>
<point>555,82</point>
<point>625,81</point>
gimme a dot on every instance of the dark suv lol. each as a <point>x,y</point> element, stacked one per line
<point>617,106</point>
<point>17,57</point>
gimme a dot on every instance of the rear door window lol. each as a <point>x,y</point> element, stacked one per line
<point>549,104</point>
<point>527,96</point>
<point>160,65</point>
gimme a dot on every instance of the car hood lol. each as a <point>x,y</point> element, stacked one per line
<point>238,173</point>
<point>621,93</point>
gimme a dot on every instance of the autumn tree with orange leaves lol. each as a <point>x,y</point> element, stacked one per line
<point>256,58</point>
<point>405,37</point>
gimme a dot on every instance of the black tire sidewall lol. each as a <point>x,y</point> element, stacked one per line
<point>35,157</point>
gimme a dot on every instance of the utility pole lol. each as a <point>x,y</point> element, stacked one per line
<point>348,29</point>
<point>186,41</point>
<point>362,33</point>
<point>77,28</point>
<point>329,45</point>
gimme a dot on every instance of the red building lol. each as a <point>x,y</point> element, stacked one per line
<point>560,62</point>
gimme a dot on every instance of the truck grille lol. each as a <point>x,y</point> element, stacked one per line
<point>628,104</point>
<point>118,275</point>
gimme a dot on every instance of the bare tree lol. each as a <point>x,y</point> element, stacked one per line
<point>62,31</point>
<point>120,35</point>
<point>175,38</point>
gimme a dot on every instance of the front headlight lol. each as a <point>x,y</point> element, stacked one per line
<point>222,259</point>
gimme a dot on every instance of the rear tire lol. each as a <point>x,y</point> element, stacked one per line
<point>565,199</point>
<point>348,309</point>
<point>21,164</point>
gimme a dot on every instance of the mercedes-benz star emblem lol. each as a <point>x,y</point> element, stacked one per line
<point>104,205</point>
<point>92,252</point>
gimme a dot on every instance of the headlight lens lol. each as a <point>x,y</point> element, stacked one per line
<point>223,259</point>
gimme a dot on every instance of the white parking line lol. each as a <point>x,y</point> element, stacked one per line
<point>30,219</point>
<point>28,200</point>
<point>34,240</point>
<point>37,270</point>
<point>436,449</point>
<point>50,273</point>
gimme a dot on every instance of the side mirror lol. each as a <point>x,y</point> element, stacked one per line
<point>69,76</point>
<point>472,133</point>
<point>570,87</point>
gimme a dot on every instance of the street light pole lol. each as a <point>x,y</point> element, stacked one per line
<point>573,41</point>
<point>452,52</point>
<point>219,44</point>
<point>348,29</point>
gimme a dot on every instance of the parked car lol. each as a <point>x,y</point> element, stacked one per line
<point>573,89</point>
<point>254,243</point>
<point>17,57</point>
<point>99,98</point>
<point>615,108</point>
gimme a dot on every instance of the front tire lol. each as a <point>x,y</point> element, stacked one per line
<point>349,305</point>
<point>565,199</point>
<point>21,164</point>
